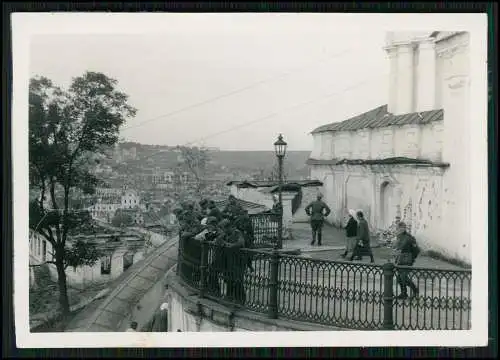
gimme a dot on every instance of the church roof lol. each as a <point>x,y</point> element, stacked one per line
<point>379,118</point>
<point>400,160</point>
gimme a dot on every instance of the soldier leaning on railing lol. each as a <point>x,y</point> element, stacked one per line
<point>227,232</point>
<point>227,260</point>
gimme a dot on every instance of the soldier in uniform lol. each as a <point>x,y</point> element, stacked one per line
<point>215,255</point>
<point>204,206</point>
<point>244,224</point>
<point>232,209</point>
<point>214,211</point>
<point>234,263</point>
<point>317,210</point>
<point>406,249</point>
<point>191,248</point>
<point>363,246</point>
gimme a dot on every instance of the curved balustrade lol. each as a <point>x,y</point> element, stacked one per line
<point>337,293</point>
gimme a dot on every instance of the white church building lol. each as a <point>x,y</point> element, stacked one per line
<point>410,157</point>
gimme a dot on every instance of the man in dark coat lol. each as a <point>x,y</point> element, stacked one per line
<point>190,247</point>
<point>363,236</point>
<point>214,211</point>
<point>351,230</point>
<point>244,224</point>
<point>232,209</point>
<point>215,259</point>
<point>317,210</point>
<point>406,251</point>
<point>235,263</point>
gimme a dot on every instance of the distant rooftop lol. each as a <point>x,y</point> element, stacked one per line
<point>252,208</point>
<point>379,118</point>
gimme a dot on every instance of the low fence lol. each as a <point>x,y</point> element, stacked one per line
<point>265,228</point>
<point>342,294</point>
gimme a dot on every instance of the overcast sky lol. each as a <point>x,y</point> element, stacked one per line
<point>288,73</point>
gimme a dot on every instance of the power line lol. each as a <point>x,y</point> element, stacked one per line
<point>278,113</point>
<point>354,86</point>
<point>260,119</point>
<point>233,92</point>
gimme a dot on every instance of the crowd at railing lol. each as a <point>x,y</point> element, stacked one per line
<point>218,258</point>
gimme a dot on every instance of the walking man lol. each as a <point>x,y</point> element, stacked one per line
<point>317,210</point>
<point>351,230</point>
<point>407,251</point>
<point>363,237</point>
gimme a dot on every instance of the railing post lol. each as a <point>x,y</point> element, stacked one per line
<point>388,269</point>
<point>273,286</point>
<point>203,267</point>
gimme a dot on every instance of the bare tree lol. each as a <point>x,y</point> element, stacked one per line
<point>273,173</point>
<point>195,161</point>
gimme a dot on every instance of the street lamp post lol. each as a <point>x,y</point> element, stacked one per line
<point>280,149</point>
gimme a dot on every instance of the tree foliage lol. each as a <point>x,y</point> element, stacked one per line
<point>67,129</point>
<point>81,253</point>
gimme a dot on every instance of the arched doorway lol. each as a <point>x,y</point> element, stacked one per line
<point>387,208</point>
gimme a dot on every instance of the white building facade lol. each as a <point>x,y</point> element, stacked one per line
<point>106,206</point>
<point>112,264</point>
<point>408,158</point>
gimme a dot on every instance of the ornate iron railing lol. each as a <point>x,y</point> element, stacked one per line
<point>265,229</point>
<point>341,294</point>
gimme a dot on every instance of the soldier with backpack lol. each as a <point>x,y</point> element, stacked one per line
<point>407,251</point>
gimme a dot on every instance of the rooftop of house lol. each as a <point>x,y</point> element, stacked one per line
<point>257,184</point>
<point>252,208</point>
<point>379,118</point>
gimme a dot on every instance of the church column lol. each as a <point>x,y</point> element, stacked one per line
<point>405,88</point>
<point>426,96</point>
<point>392,53</point>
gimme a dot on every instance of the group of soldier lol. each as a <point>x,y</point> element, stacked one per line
<point>226,232</point>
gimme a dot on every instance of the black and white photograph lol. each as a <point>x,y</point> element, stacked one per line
<point>315,179</point>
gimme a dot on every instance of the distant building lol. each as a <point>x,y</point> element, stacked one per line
<point>106,207</point>
<point>296,195</point>
<point>118,256</point>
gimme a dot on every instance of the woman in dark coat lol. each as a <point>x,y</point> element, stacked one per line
<point>351,231</point>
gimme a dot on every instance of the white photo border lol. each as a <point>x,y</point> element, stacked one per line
<point>25,25</point>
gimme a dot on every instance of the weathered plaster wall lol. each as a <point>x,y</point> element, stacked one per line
<point>385,192</point>
<point>413,141</point>
<point>407,141</point>
<point>453,54</point>
<point>432,142</point>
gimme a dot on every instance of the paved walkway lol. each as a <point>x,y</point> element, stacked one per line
<point>333,245</point>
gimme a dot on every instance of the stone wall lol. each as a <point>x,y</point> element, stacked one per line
<point>418,195</point>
